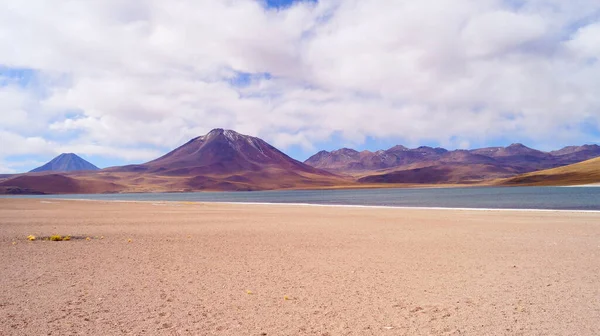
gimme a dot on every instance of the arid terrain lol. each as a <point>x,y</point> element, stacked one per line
<point>218,269</point>
<point>587,172</point>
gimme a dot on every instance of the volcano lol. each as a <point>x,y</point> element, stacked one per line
<point>66,162</point>
<point>227,160</point>
<point>222,160</point>
<point>225,152</point>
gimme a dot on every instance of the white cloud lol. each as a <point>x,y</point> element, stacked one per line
<point>496,32</point>
<point>15,144</point>
<point>121,75</point>
<point>586,42</point>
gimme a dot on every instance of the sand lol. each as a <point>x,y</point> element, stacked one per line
<point>223,269</point>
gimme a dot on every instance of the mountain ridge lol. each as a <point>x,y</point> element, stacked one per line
<point>425,164</point>
<point>516,156</point>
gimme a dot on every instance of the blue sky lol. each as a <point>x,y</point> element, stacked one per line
<point>303,75</point>
<point>280,3</point>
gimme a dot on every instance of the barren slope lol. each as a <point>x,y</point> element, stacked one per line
<point>587,172</point>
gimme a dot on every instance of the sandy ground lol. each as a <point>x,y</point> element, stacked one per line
<point>208,269</point>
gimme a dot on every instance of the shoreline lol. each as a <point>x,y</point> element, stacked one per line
<point>352,206</point>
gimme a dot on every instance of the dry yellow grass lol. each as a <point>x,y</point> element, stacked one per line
<point>587,172</point>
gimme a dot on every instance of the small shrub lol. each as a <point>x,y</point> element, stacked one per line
<point>56,238</point>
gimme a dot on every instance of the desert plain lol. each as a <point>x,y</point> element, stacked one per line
<point>161,268</point>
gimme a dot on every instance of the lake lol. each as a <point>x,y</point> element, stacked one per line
<point>551,198</point>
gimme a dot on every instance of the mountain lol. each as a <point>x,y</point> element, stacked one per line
<point>223,152</point>
<point>437,165</point>
<point>587,172</point>
<point>219,160</point>
<point>67,162</point>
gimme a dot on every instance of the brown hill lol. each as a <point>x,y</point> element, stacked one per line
<point>587,172</point>
<point>441,173</point>
<point>55,184</point>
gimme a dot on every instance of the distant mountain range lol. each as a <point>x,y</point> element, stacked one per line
<point>438,165</point>
<point>227,160</point>
<point>67,162</point>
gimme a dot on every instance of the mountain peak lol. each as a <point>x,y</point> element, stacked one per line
<point>222,152</point>
<point>517,145</point>
<point>345,151</point>
<point>228,134</point>
<point>397,148</point>
<point>215,131</point>
<point>66,162</point>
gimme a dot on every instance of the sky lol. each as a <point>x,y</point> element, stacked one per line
<point>121,82</point>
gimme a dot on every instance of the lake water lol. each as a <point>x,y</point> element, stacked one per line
<point>555,198</point>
